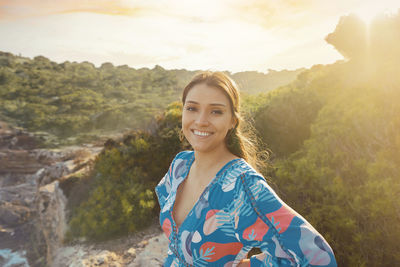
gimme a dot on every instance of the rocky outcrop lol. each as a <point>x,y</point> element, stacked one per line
<point>34,187</point>
<point>32,205</point>
<point>51,209</point>
<point>153,253</point>
<point>16,138</point>
<point>149,251</point>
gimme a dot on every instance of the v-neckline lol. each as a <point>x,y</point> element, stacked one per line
<point>207,188</point>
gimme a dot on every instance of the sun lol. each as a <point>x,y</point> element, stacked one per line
<point>370,10</point>
<point>367,15</point>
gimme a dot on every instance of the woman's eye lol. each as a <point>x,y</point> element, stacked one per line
<point>190,108</point>
<point>217,111</point>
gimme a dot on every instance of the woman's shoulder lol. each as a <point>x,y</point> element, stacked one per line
<point>176,169</point>
<point>251,181</point>
<point>180,163</point>
<point>182,158</point>
<point>186,154</point>
<point>246,172</point>
<point>240,171</point>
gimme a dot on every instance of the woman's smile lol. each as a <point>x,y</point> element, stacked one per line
<point>201,133</point>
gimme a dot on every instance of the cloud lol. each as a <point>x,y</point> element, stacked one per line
<point>16,9</point>
<point>281,14</point>
<point>272,13</point>
<point>190,10</point>
<point>268,14</point>
<point>310,51</point>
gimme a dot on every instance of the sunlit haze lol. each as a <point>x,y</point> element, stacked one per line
<point>234,35</point>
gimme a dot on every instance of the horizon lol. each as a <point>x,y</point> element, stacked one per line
<point>150,68</point>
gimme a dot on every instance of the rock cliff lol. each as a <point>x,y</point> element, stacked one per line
<point>34,192</point>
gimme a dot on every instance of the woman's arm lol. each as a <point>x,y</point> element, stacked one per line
<point>284,236</point>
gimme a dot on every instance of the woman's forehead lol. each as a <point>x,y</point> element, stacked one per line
<point>204,94</point>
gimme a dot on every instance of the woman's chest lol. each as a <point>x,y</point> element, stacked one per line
<point>187,195</point>
<point>191,209</point>
<point>207,233</point>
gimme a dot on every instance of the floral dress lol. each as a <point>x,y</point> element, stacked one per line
<point>236,212</point>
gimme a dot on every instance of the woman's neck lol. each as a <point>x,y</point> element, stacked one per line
<point>211,161</point>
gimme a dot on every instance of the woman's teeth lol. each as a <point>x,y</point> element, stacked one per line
<point>201,133</point>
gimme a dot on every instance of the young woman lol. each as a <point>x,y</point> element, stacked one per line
<point>215,207</point>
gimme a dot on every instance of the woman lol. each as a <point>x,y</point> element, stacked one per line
<point>214,206</point>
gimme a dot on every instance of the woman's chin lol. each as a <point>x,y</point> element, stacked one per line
<point>201,147</point>
<point>204,148</point>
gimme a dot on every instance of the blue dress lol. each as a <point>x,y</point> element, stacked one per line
<point>236,212</point>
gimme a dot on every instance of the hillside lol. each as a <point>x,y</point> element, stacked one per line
<point>76,102</point>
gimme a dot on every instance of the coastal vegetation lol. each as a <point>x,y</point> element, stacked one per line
<point>334,133</point>
<point>72,103</point>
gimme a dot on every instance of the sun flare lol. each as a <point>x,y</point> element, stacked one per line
<point>367,15</point>
<point>368,12</point>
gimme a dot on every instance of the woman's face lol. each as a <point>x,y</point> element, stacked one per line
<point>206,118</point>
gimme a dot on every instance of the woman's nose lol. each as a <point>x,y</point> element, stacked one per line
<point>202,119</point>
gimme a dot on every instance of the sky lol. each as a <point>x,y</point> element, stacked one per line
<point>233,35</point>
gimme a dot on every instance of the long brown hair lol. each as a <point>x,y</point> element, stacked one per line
<point>239,143</point>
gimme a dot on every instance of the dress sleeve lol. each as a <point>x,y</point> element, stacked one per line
<point>284,237</point>
<point>163,188</point>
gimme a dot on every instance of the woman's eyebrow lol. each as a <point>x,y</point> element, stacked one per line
<point>212,104</point>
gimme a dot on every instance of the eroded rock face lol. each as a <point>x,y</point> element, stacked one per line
<point>34,184</point>
<point>13,215</point>
<point>15,138</point>
<point>51,210</point>
<point>151,251</point>
<point>32,205</point>
<point>82,256</point>
<point>153,254</point>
